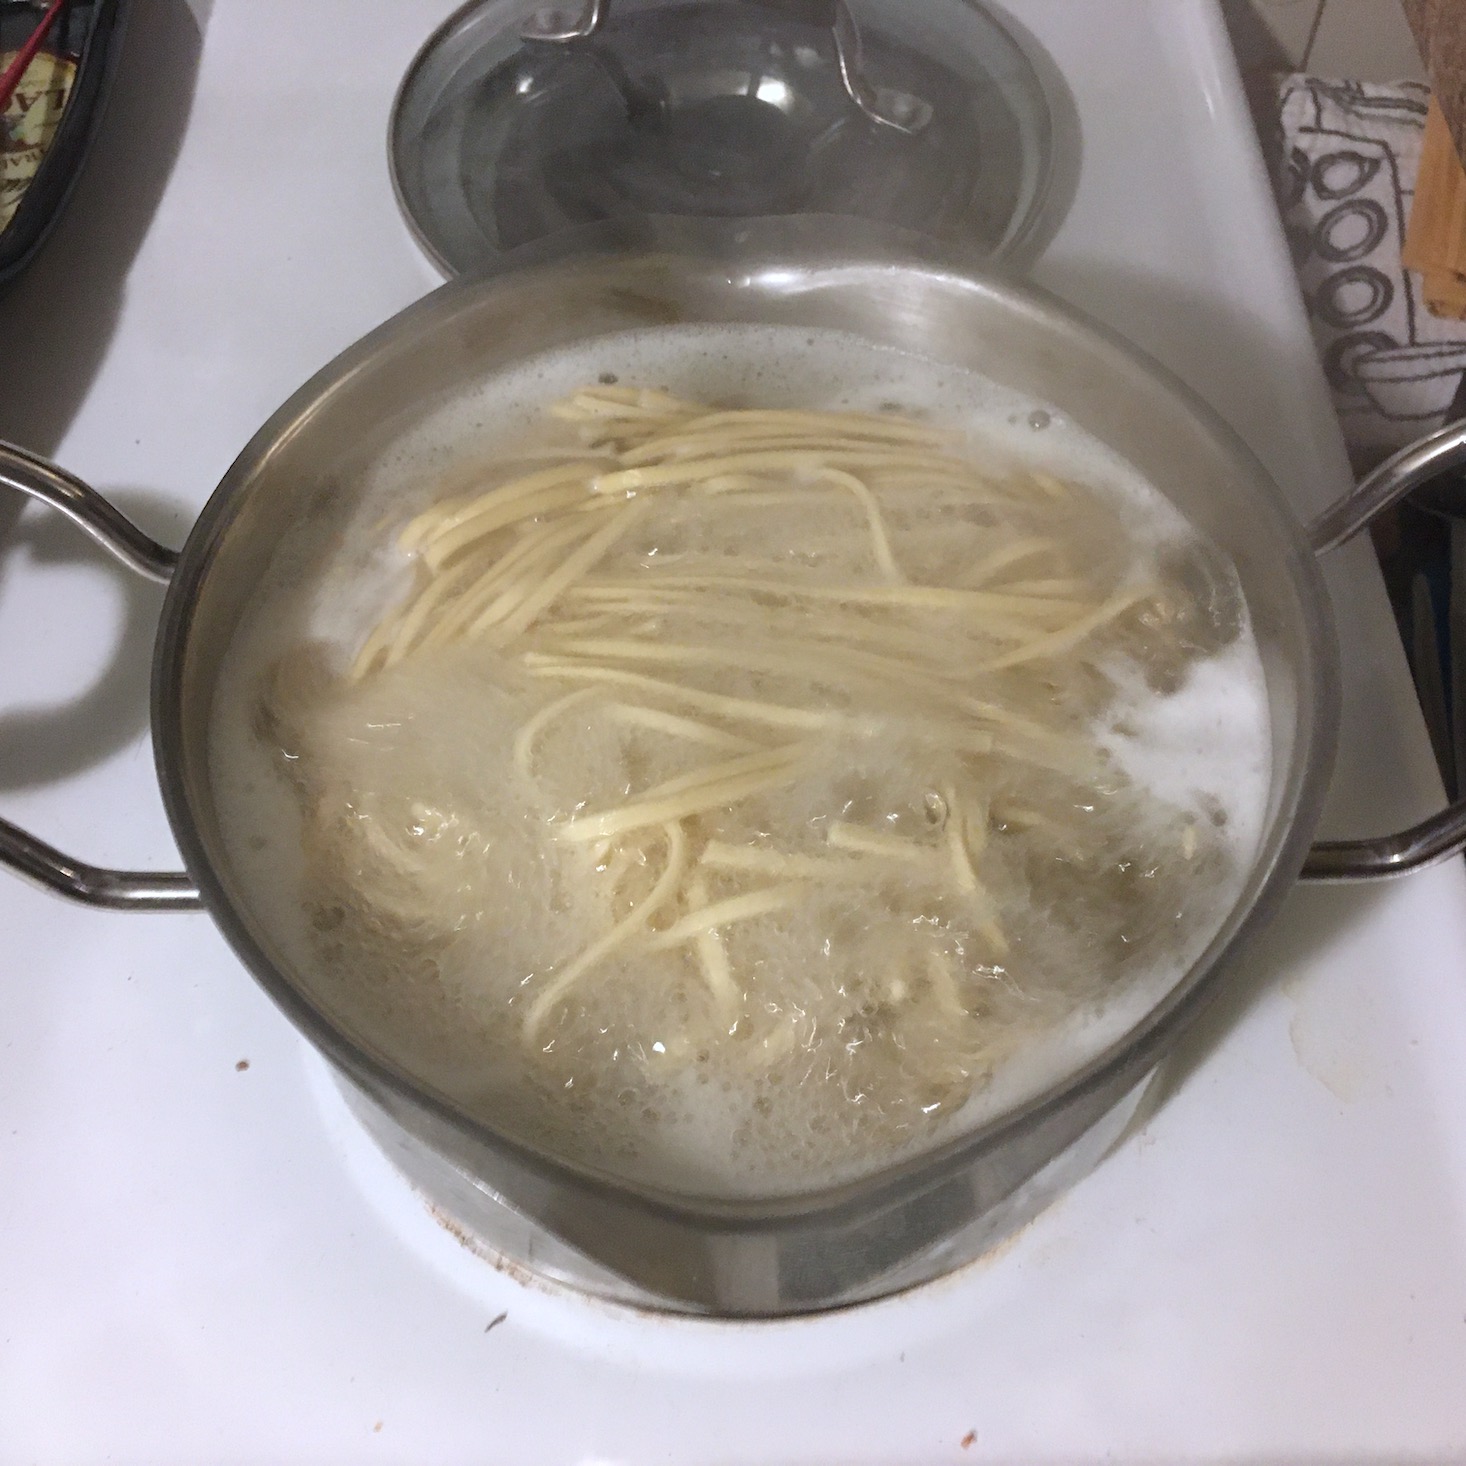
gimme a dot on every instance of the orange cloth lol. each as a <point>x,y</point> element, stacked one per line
<point>1435,243</point>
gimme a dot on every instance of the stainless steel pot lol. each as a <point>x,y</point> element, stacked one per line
<point>922,1217</point>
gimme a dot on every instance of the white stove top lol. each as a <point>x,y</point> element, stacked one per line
<point>202,1261</point>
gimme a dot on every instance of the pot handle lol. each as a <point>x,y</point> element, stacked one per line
<point>117,890</point>
<point>1442,834</point>
<point>900,111</point>
<point>1422,844</point>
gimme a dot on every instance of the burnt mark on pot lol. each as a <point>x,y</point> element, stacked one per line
<point>496,1260</point>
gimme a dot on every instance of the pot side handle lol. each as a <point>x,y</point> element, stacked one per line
<point>1442,834</point>
<point>117,890</point>
<point>1433,839</point>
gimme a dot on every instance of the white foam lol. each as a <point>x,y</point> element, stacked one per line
<point>1198,747</point>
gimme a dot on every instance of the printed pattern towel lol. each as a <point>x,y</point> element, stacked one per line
<point>1344,168</point>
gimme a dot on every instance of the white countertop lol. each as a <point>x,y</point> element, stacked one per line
<point>200,1262</point>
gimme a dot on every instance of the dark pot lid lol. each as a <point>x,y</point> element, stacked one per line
<point>516,122</point>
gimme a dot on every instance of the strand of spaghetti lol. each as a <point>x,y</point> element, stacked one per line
<point>636,396</point>
<point>524,740</point>
<point>836,664</point>
<point>819,663</point>
<point>970,489</point>
<point>737,483</point>
<point>829,664</point>
<point>850,627</point>
<point>466,585</point>
<point>629,926</point>
<point>548,591</point>
<point>956,837</point>
<point>728,912</point>
<point>808,464</point>
<point>992,933</point>
<point>682,805</point>
<point>880,424</point>
<point>1055,586</point>
<point>638,716</point>
<point>956,476</point>
<point>435,522</point>
<point>741,709</point>
<point>375,646</point>
<point>1002,717</point>
<point>726,495</point>
<point>515,573</point>
<point>842,623</point>
<point>800,421</point>
<point>1059,642</point>
<point>534,546</point>
<point>843,836</point>
<point>974,827</point>
<point>1059,755</point>
<point>566,452</point>
<point>838,626</point>
<point>619,435</point>
<point>630,592</point>
<point>689,449</point>
<point>441,548</point>
<point>592,503</point>
<point>501,589</point>
<point>844,869</point>
<point>1016,816</point>
<point>928,597</point>
<point>880,540</point>
<point>611,620</point>
<point>955,648</point>
<point>613,866</point>
<point>919,721</point>
<point>591,404</point>
<point>714,962</point>
<point>1032,742</point>
<point>512,590</point>
<point>733,768</point>
<point>619,420</point>
<point>1005,559</point>
<point>438,589</point>
<point>446,513</point>
<point>944,983</point>
<point>655,398</point>
<point>411,535</point>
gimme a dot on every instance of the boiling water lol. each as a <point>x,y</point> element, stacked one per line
<point>413,876</point>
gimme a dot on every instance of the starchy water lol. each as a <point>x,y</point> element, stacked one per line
<point>960,874</point>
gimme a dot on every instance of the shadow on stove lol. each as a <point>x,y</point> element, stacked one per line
<point>42,744</point>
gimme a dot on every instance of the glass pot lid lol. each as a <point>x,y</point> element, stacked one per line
<point>516,121</point>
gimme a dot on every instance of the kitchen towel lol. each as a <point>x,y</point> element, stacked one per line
<point>1345,160</point>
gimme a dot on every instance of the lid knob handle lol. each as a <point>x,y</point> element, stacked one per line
<point>562,25</point>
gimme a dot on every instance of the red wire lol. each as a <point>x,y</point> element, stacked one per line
<point>27,53</point>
